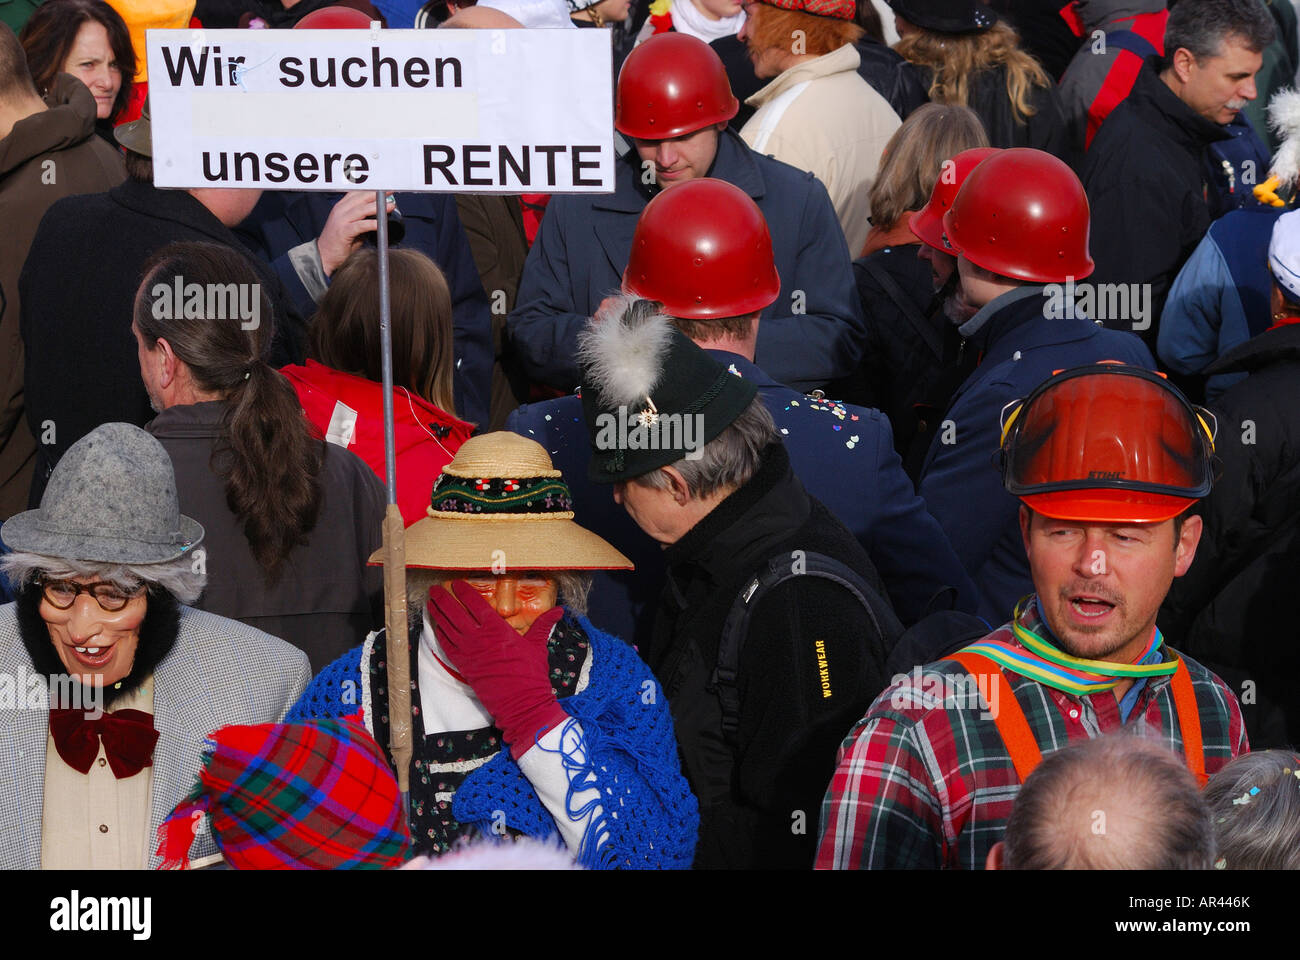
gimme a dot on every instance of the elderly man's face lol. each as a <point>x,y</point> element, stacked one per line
<point>96,646</point>
<point>520,598</point>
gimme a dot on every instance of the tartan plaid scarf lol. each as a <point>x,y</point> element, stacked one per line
<point>1040,659</point>
<point>315,795</point>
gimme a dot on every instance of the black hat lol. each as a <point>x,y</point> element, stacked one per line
<point>946,16</point>
<point>651,397</point>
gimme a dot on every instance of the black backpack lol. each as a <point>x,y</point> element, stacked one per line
<point>877,609</point>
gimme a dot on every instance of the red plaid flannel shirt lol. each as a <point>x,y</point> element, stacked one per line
<point>925,781</point>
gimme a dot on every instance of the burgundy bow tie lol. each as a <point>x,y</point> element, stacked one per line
<point>128,737</point>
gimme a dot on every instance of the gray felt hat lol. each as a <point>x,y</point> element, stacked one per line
<point>111,499</point>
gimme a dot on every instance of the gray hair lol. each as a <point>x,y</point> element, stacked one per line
<point>572,587</point>
<point>1117,802</point>
<point>1263,832</point>
<point>177,577</point>
<point>727,461</point>
<point>1201,26</point>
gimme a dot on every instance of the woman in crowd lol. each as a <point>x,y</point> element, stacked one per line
<point>526,718</point>
<point>87,39</point>
<point>291,520</point>
<point>341,388</point>
<point>1255,802</point>
<point>910,340</point>
<point>972,58</point>
<point>707,20</point>
<point>585,13</point>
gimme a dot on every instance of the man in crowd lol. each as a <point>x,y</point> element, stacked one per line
<point>78,287</point>
<point>1019,227</point>
<point>703,250</point>
<point>47,152</point>
<point>673,101</point>
<point>1106,461</point>
<point>772,629</point>
<point>816,113</point>
<point>1145,172</point>
<point>1223,611</point>
<point>1114,803</point>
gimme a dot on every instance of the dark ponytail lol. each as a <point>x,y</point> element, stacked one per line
<point>267,457</point>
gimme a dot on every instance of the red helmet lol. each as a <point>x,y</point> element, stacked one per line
<point>334,18</point>
<point>702,249</point>
<point>672,85</point>
<point>927,223</point>
<point>1107,443</point>
<point>1023,214</point>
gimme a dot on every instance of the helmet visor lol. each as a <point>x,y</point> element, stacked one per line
<point>1108,444</point>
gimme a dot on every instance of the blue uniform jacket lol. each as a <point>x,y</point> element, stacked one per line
<point>1220,297</point>
<point>961,481</point>
<point>282,221</point>
<point>844,455</point>
<point>813,332</point>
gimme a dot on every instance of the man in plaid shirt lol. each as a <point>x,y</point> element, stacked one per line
<point>1106,461</point>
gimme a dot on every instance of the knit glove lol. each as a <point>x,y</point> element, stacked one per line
<point>509,673</point>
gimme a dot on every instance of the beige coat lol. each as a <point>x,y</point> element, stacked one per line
<point>822,117</point>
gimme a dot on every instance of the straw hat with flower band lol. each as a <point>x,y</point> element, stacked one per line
<point>501,500</point>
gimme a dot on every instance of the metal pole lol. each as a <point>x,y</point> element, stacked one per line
<point>398,648</point>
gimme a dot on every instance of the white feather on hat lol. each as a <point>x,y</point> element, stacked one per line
<point>623,351</point>
<point>1284,119</point>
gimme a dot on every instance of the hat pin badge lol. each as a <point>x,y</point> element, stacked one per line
<point>650,415</point>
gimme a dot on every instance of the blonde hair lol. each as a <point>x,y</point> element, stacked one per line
<point>954,58</point>
<point>914,157</point>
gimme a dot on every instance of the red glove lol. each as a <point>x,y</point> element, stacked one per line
<point>508,672</point>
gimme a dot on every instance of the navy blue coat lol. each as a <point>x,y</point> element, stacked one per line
<point>282,221</point>
<point>961,482</point>
<point>813,332</point>
<point>863,485</point>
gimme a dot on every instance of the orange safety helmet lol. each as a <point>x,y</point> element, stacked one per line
<point>702,249</point>
<point>672,85</point>
<point>927,223</point>
<point>1107,443</point>
<point>334,18</point>
<point>1022,214</point>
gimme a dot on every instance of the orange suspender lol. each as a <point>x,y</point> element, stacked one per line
<point>1189,722</point>
<point>1022,745</point>
<point>1010,717</point>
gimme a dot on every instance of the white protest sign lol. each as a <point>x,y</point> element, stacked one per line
<point>476,111</point>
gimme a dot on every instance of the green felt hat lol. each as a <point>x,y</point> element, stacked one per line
<point>651,397</point>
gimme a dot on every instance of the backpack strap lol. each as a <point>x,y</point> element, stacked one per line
<point>1132,41</point>
<point>777,570</point>
<point>1189,722</point>
<point>933,339</point>
<point>1012,726</point>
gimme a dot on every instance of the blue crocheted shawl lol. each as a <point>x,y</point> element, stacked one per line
<point>627,751</point>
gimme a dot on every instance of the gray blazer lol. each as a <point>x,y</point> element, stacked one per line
<point>219,672</point>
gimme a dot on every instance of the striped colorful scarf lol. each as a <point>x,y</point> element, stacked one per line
<point>1039,659</point>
